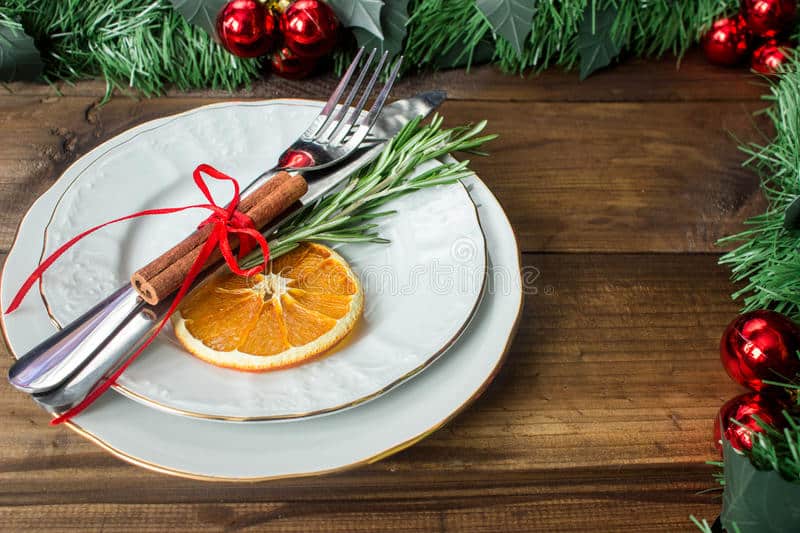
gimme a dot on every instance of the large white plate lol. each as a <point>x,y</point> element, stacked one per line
<point>205,449</point>
<point>420,291</point>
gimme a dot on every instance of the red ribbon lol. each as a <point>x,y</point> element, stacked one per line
<point>224,221</point>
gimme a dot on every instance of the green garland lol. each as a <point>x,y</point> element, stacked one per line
<point>143,44</point>
<point>766,261</point>
<point>149,45</point>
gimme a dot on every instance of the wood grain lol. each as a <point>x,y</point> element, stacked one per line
<point>691,79</point>
<point>574,177</point>
<point>604,408</point>
<point>601,418</point>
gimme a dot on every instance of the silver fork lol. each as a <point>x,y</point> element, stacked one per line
<point>333,135</point>
<point>338,130</point>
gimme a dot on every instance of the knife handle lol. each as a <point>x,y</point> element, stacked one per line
<point>60,356</point>
<point>130,335</point>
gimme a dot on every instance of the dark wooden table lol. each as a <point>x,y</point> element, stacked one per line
<point>601,418</point>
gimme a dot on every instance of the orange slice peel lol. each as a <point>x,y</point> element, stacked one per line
<point>305,302</point>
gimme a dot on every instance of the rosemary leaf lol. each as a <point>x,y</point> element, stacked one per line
<point>346,215</point>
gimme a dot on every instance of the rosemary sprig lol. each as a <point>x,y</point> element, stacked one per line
<point>349,214</point>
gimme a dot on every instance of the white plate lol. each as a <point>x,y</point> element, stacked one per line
<point>216,450</point>
<point>420,291</point>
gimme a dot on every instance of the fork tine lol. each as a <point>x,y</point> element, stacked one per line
<point>345,107</point>
<point>330,105</point>
<point>377,106</point>
<point>344,129</point>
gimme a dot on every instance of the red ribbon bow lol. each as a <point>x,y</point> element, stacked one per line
<point>225,221</point>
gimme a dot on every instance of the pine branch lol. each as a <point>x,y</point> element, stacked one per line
<point>642,28</point>
<point>766,262</point>
<point>778,450</point>
<point>444,32</point>
<point>147,45</point>
<point>144,44</point>
<point>656,27</point>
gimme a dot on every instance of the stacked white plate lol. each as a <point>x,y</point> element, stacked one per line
<point>441,304</point>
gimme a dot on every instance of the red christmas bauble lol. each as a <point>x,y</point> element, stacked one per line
<point>246,28</point>
<point>727,42</point>
<point>309,28</point>
<point>768,18</point>
<point>769,57</point>
<point>287,64</point>
<point>743,408</point>
<point>760,345</point>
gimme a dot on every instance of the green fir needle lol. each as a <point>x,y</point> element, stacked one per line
<point>766,262</point>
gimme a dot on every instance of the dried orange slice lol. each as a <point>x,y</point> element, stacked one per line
<point>307,301</point>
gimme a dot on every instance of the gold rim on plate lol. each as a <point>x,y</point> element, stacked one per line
<point>146,400</point>
<point>206,416</point>
<point>77,428</point>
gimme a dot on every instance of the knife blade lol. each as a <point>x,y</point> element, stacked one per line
<point>64,368</point>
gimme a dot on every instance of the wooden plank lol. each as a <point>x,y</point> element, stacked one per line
<point>692,79</point>
<point>601,415</point>
<point>574,177</point>
<point>627,177</point>
<point>481,514</point>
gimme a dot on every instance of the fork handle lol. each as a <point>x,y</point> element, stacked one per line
<point>162,276</point>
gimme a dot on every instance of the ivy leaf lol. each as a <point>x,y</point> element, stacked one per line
<point>596,47</point>
<point>364,14</point>
<point>19,58</point>
<point>201,13</point>
<point>757,501</point>
<point>512,19</point>
<point>394,17</point>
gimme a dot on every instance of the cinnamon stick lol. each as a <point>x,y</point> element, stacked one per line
<point>162,276</point>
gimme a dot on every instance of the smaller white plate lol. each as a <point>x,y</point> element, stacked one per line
<point>420,291</point>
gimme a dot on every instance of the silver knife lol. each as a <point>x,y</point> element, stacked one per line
<point>64,368</point>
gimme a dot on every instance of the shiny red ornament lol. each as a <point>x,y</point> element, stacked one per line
<point>310,28</point>
<point>287,64</point>
<point>727,42</point>
<point>769,57</point>
<point>743,409</point>
<point>760,345</point>
<point>246,28</point>
<point>768,18</point>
